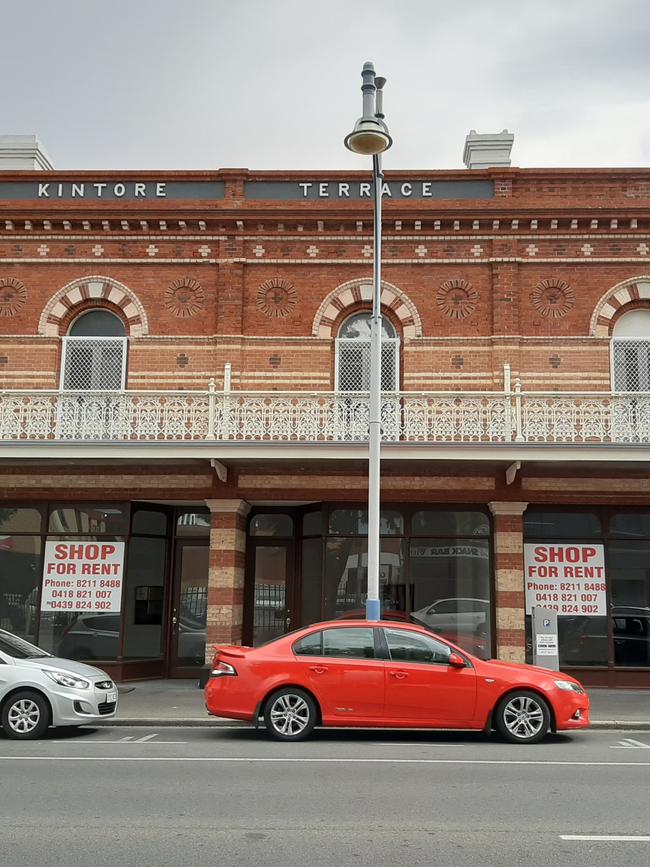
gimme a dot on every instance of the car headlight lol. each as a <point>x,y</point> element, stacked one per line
<point>65,679</point>
<point>569,686</point>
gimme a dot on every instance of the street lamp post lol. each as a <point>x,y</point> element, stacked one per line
<point>370,137</point>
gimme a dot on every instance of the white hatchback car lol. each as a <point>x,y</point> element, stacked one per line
<point>38,690</point>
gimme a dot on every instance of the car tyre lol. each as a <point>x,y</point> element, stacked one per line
<point>290,714</point>
<point>522,717</point>
<point>25,715</point>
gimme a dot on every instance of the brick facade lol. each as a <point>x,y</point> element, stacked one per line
<point>522,287</point>
<point>536,265</point>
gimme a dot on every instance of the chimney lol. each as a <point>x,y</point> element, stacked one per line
<point>23,153</point>
<point>488,150</point>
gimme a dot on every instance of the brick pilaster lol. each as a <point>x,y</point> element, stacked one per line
<point>226,573</point>
<point>509,580</point>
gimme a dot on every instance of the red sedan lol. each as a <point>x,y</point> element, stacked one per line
<point>387,674</point>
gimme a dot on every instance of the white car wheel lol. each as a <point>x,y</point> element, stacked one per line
<point>25,715</point>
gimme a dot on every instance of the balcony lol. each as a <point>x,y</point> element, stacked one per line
<point>517,417</point>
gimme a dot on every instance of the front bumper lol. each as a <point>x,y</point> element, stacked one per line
<point>572,711</point>
<point>82,706</point>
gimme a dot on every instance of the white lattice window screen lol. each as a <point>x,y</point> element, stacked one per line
<point>631,365</point>
<point>353,364</point>
<point>93,363</point>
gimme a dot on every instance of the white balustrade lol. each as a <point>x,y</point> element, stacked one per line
<point>437,417</point>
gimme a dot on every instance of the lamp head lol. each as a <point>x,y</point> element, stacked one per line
<point>369,137</point>
<point>370,134</point>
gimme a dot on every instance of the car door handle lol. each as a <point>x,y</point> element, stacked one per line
<point>400,675</point>
<point>318,669</point>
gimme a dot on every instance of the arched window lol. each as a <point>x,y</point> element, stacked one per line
<point>94,353</point>
<point>631,352</point>
<point>353,355</point>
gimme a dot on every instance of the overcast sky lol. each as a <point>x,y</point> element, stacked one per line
<point>274,84</point>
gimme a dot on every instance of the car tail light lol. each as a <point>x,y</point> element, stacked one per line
<point>222,669</point>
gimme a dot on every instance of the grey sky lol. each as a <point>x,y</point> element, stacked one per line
<point>274,84</point>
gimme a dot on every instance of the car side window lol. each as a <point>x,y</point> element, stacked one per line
<point>310,645</point>
<point>411,647</point>
<point>353,643</point>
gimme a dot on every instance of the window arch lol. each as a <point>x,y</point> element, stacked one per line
<point>630,363</point>
<point>97,323</point>
<point>352,366</point>
<point>94,352</point>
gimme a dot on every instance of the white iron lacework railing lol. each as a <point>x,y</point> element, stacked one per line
<point>238,416</point>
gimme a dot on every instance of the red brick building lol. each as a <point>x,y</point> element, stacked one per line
<point>183,358</point>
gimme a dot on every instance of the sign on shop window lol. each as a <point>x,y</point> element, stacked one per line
<point>82,576</point>
<point>569,579</point>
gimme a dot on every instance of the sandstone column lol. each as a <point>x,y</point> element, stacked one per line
<point>226,573</point>
<point>509,580</point>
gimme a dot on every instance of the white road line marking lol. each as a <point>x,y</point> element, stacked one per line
<point>129,738</point>
<point>630,744</point>
<point>607,838</point>
<point>352,761</point>
<point>84,743</point>
<point>145,739</point>
<point>410,744</point>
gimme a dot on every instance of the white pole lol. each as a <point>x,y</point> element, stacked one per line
<point>370,136</point>
<point>373,608</point>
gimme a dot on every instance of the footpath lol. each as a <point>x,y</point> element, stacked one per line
<point>180,702</point>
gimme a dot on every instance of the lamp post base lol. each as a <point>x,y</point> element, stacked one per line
<point>373,609</point>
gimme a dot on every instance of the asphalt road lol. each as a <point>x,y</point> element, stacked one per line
<point>197,796</point>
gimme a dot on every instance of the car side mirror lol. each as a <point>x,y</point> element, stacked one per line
<point>456,660</point>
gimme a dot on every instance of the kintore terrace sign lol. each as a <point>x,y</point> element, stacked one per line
<point>341,190</point>
<point>317,190</point>
<point>110,190</point>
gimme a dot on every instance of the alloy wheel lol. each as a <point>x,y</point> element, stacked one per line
<point>523,717</point>
<point>24,716</point>
<point>290,714</point>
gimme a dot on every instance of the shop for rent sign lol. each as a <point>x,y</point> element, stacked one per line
<point>82,576</point>
<point>568,578</point>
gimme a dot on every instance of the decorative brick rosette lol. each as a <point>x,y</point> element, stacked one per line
<point>184,297</point>
<point>13,296</point>
<point>276,298</point>
<point>457,298</point>
<point>553,298</point>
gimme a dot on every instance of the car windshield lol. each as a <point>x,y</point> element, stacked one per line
<point>19,648</point>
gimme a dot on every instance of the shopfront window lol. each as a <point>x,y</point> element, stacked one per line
<point>271,525</point>
<point>149,522</point>
<point>73,622</point>
<point>19,520</point>
<point>72,518</point>
<point>144,587</point>
<point>191,524</point>
<point>73,631</point>
<point>312,523</point>
<point>433,563</point>
<point>107,582</point>
<point>346,576</point>
<point>354,522</point>
<point>630,602</point>
<point>630,525</point>
<point>451,589</point>
<point>20,560</point>
<point>573,526</point>
<point>440,523</point>
<point>312,567</point>
<point>617,631</point>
